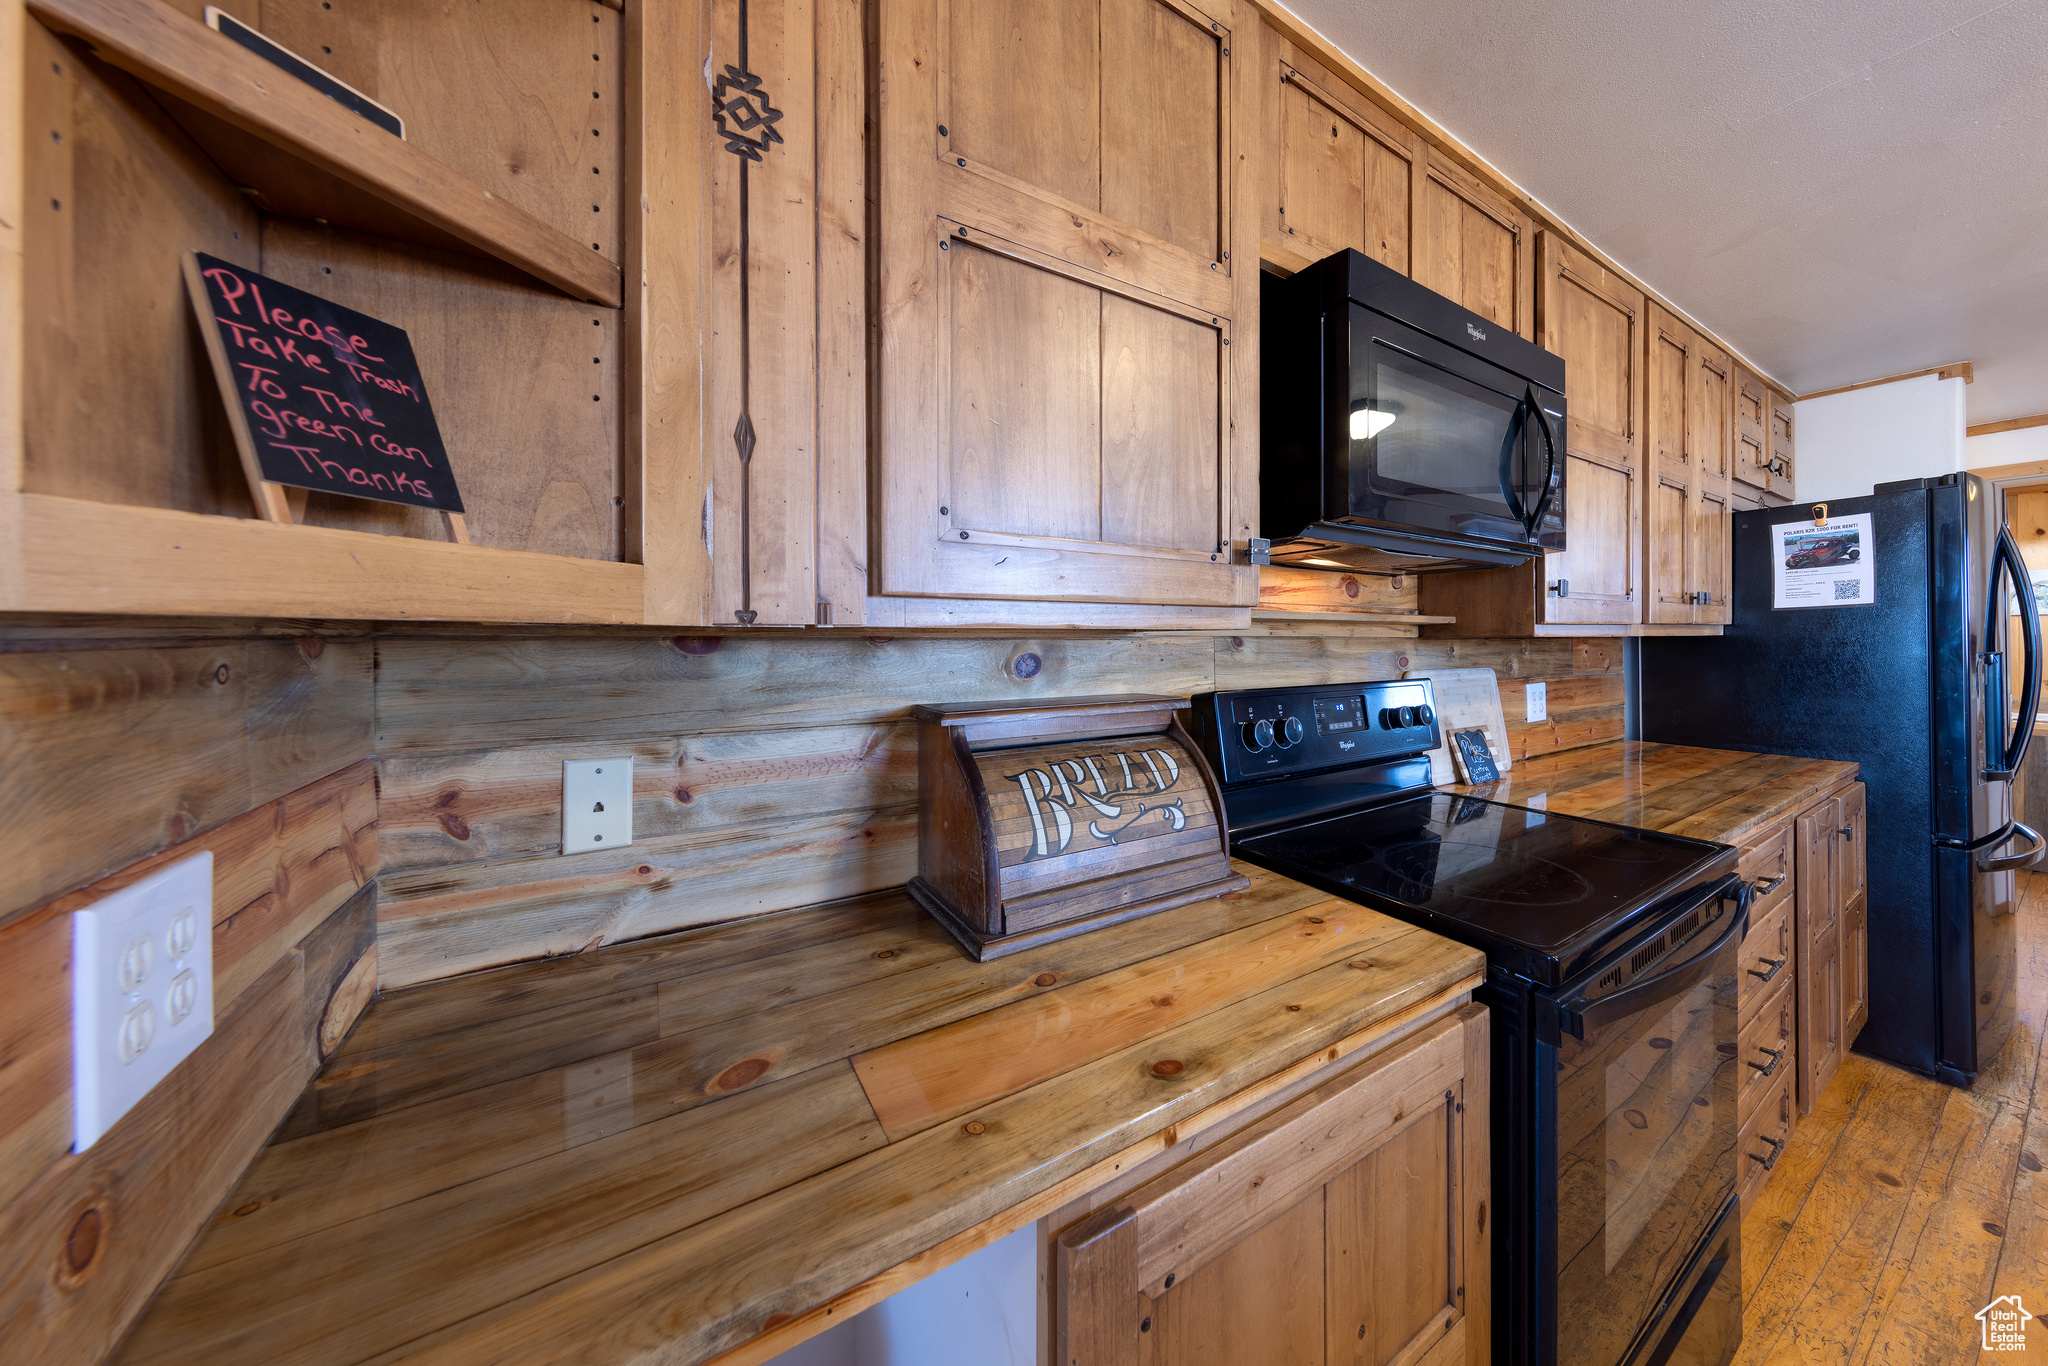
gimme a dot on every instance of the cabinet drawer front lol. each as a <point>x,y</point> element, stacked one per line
<point>1769,857</point>
<point>1767,1050</point>
<point>1768,955</point>
<point>1764,1138</point>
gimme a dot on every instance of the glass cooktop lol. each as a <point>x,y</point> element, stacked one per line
<point>1540,893</point>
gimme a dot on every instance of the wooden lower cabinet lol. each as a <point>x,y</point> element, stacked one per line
<point>1768,1049</point>
<point>1349,1225</point>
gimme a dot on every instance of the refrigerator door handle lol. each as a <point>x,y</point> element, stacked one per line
<point>2009,862</point>
<point>2004,756</point>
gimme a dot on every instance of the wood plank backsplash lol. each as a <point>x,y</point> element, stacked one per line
<point>383,808</point>
<point>769,771</point>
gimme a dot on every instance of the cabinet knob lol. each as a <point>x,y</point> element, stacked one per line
<point>1847,832</point>
<point>1563,588</point>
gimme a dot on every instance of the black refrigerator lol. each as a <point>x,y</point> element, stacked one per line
<point>1907,677</point>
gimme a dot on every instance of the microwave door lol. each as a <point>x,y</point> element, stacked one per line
<point>1427,443</point>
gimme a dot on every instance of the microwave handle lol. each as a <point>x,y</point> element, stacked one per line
<point>1549,462</point>
<point>1510,444</point>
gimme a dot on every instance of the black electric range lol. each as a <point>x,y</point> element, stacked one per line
<point>1612,982</point>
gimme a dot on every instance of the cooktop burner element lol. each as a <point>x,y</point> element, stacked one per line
<point>1539,892</point>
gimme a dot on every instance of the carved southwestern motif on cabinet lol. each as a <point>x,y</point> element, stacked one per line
<point>1064,260</point>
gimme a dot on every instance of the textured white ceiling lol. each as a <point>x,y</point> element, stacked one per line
<point>1842,189</point>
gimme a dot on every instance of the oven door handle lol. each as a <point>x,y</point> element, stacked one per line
<point>1575,1016</point>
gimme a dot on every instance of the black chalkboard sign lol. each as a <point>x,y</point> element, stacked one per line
<point>320,396</point>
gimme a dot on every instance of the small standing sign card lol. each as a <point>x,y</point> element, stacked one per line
<point>319,396</point>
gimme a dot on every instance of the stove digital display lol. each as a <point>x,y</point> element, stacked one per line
<point>1335,715</point>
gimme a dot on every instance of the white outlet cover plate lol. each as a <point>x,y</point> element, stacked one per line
<point>597,804</point>
<point>1539,701</point>
<point>141,967</point>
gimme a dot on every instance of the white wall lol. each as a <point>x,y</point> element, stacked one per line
<point>2025,446</point>
<point>1908,429</point>
<point>980,1311</point>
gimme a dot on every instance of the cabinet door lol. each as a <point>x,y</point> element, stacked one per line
<point>1059,393</point>
<point>1781,444</point>
<point>1712,443</point>
<point>1670,480</point>
<point>1348,1227</point>
<point>1852,887</point>
<point>1752,446</point>
<point>1338,172</point>
<point>1473,246</point>
<point>1819,961</point>
<point>1594,319</point>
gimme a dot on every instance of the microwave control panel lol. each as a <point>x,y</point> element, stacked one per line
<point>1272,732</point>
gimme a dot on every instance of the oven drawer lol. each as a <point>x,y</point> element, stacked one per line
<point>1766,1050</point>
<point>1765,1136</point>
<point>1767,953</point>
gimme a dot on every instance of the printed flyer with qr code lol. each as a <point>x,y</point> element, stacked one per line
<point>1825,563</point>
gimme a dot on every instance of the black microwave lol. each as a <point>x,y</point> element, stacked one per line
<point>1401,432</point>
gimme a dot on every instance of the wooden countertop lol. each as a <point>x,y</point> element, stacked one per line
<point>659,1150</point>
<point>1711,794</point>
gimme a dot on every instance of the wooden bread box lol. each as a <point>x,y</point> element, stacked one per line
<point>1042,821</point>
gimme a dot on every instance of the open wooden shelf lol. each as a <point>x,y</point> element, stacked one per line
<point>288,145</point>
<point>71,555</point>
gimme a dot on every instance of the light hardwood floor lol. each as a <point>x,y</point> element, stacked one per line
<point>1901,1206</point>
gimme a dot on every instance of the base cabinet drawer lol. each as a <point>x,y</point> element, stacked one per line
<point>1765,1137</point>
<point>1767,1050</point>
<point>1768,955</point>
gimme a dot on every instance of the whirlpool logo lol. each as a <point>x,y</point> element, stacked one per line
<point>1477,335</point>
<point>1057,794</point>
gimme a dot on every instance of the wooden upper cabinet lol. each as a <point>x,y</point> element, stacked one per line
<point>1686,477</point>
<point>1713,451</point>
<point>1780,429</point>
<point>1064,268</point>
<point>1594,319</point>
<point>1752,446</point>
<point>1348,1227</point>
<point>1473,246</point>
<point>1338,172</point>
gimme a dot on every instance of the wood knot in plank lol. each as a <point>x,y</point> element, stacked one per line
<point>740,1075</point>
<point>698,645</point>
<point>84,1244</point>
<point>312,647</point>
<point>1294,1008</point>
<point>1233,896</point>
<point>885,953</point>
<point>1045,979</point>
<point>1315,920</point>
<point>974,1126</point>
<point>1167,1067</point>
<point>1362,964</point>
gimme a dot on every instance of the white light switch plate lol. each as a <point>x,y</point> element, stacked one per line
<point>1539,701</point>
<point>597,804</point>
<point>141,990</point>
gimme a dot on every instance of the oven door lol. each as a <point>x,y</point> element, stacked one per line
<point>1435,439</point>
<point>1645,1131</point>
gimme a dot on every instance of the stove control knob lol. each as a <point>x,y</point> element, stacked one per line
<point>1258,735</point>
<point>1404,717</point>
<point>1424,716</point>
<point>1290,731</point>
<point>1390,718</point>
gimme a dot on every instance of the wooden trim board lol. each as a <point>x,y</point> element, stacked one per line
<point>2011,424</point>
<point>1962,370</point>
